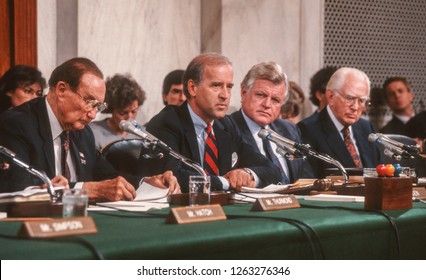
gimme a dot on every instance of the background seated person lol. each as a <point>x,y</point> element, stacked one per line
<point>124,97</point>
<point>20,84</point>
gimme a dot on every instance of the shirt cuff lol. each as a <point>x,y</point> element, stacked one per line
<point>225,184</point>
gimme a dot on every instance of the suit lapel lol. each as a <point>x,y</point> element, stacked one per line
<point>245,131</point>
<point>189,132</point>
<point>78,157</point>
<point>224,151</point>
<point>46,135</point>
<point>365,151</point>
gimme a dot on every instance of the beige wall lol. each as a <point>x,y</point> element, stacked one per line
<point>149,38</point>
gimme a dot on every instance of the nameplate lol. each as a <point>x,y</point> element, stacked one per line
<point>275,203</point>
<point>419,193</point>
<point>196,214</point>
<point>58,227</point>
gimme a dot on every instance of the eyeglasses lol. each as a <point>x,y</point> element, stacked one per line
<point>350,100</point>
<point>92,104</point>
<point>31,91</point>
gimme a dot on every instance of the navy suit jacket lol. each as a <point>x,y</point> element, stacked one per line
<point>298,168</point>
<point>174,126</point>
<point>324,137</point>
<point>26,131</point>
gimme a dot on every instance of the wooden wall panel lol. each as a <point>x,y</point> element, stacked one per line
<point>18,33</point>
<point>25,32</point>
<point>5,54</point>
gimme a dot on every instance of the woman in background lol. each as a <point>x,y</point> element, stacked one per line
<point>20,84</point>
<point>292,108</point>
<point>124,97</point>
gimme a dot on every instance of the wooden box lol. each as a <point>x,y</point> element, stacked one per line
<point>388,193</point>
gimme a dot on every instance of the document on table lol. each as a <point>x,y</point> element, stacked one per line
<point>147,197</point>
<point>252,197</point>
<point>335,197</point>
<point>268,189</point>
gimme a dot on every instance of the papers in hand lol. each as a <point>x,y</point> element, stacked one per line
<point>147,197</point>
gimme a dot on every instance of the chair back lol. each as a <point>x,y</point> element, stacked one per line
<point>124,155</point>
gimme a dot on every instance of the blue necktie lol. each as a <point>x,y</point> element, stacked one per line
<point>272,157</point>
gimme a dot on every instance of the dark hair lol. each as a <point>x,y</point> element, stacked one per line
<point>319,82</point>
<point>195,68</point>
<point>173,78</point>
<point>396,79</point>
<point>121,91</point>
<point>18,76</point>
<point>72,70</point>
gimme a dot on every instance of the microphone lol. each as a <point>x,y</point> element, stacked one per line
<point>301,149</point>
<point>40,174</point>
<point>381,138</point>
<point>284,143</point>
<point>133,127</point>
<point>392,148</point>
<point>391,154</point>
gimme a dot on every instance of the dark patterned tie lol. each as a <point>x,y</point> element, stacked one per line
<point>65,147</point>
<point>272,157</point>
<point>210,153</point>
<point>351,147</point>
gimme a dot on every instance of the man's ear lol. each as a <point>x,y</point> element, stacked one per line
<point>191,88</point>
<point>243,92</point>
<point>61,87</point>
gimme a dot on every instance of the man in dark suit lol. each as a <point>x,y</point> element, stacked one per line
<point>339,131</point>
<point>263,91</point>
<point>208,81</point>
<point>52,135</point>
<point>399,98</point>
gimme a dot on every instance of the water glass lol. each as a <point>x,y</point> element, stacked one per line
<point>75,202</point>
<point>199,190</point>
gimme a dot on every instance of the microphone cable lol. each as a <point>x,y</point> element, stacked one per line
<point>71,239</point>
<point>389,218</point>
<point>297,223</point>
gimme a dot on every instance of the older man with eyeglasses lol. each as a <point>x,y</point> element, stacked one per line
<point>52,135</point>
<point>339,130</point>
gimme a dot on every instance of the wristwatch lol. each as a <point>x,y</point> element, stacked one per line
<point>249,172</point>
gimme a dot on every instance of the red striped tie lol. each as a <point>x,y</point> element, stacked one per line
<point>351,147</point>
<point>210,153</point>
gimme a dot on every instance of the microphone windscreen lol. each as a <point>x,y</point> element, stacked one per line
<point>125,125</point>
<point>263,133</point>
<point>372,137</point>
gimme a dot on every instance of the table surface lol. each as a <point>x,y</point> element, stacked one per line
<point>317,230</point>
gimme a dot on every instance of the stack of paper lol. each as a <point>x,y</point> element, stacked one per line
<point>147,198</point>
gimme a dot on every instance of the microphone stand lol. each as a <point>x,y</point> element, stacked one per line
<point>54,196</point>
<point>304,150</point>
